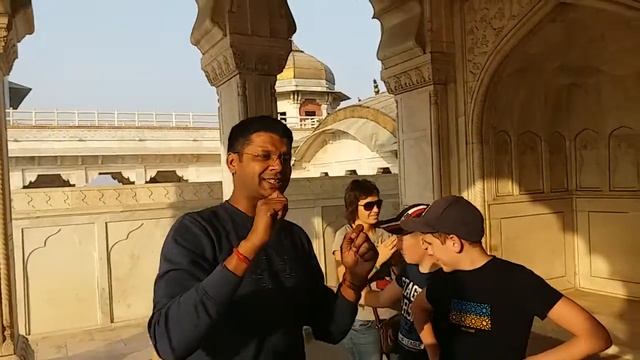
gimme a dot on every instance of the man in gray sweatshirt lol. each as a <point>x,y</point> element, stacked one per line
<point>237,280</point>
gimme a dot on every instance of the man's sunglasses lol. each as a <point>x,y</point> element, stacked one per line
<point>369,205</point>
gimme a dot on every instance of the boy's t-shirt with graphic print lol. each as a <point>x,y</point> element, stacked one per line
<point>487,313</point>
<point>411,281</point>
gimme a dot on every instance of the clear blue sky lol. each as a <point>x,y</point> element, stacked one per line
<point>135,55</point>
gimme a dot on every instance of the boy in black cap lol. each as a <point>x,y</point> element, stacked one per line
<point>482,307</point>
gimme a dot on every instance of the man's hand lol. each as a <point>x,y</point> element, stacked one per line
<point>359,256</point>
<point>268,210</point>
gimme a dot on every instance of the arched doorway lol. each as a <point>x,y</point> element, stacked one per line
<point>561,149</point>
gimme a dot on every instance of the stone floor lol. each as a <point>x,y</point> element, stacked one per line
<point>129,342</point>
<point>622,318</point>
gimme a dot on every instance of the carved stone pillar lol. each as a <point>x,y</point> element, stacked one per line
<point>244,45</point>
<point>416,53</point>
<point>16,21</point>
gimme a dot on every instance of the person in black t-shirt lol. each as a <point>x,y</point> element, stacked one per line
<point>237,280</point>
<point>411,279</point>
<point>482,307</point>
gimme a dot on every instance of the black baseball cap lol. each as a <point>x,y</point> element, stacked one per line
<point>452,215</point>
<point>393,225</point>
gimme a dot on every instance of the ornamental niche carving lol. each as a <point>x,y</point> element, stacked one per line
<point>486,24</point>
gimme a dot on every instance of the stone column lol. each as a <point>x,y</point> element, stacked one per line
<point>6,235</point>
<point>16,21</point>
<point>417,68</point>
<point>244,47</point>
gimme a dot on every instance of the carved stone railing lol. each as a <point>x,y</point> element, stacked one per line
<point>109,118</point>
<point>78,118</point>
<point>71,200</point>
<point>92,253</point>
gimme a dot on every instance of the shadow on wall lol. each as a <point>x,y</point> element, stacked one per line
<point>561,140</point>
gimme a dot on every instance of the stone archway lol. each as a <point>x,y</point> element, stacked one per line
<point>362,136</point>
<point>491,32</point>
<point>552,123</point>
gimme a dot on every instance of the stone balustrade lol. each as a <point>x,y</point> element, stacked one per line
<point>92,253</point>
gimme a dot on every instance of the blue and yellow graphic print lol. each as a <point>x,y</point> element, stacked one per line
<point>470,315</point>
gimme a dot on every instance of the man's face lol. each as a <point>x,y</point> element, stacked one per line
<point>262,166</point>
<point>369,209</point>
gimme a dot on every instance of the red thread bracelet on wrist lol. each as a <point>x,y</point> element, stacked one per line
<point>241,256</point>
<point>351,285</point>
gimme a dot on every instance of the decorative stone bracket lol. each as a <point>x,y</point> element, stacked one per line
<point>239,54</point>
<point>418,72</point>
<point>411,47</point>
<point>242,37</point>
<point>16,22</point>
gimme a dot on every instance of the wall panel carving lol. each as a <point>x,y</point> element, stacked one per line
<point>530,174</point>
<point>624,159</point>
<point>503,164</point>
<point>557,164</point>
<point>607,245</point>
<point>518,227</point>
<point>613,236</point>
<point>589,167</point>
<point>134,255</point>
<point>521,245</point>
<point>60,257</point>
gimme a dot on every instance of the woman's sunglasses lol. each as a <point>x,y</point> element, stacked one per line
<point>369,205</point>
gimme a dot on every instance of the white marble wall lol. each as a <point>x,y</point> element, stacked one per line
<point>562,149</point>
<point>92,254</point>
<point>346,153</point>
